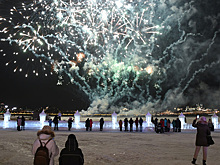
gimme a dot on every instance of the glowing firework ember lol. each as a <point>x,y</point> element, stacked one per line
<point>115,51</point>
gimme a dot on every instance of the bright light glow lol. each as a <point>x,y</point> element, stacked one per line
<point>149,70</point>
<point>116,52</point>
<point>119,4</point>
<point>104,15</point>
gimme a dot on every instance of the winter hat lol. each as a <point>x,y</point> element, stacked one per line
<point>203,119</point>
<point>46,130</point>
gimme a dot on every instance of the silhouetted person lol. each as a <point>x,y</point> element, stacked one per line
<point>101,121</point>
<point>55,121</point>
<point>90,124</point>
<point>126,124</point>
<point>131,124</point>
<point>50,122</point>
<point>18,123</point>
<point>70,121</point>
<point>136,123</point>
<point>59,115</point>
<point>22,123</point>
<point>141,122</point>
<point>174,125</point>
<point>162,125</point>
<point>87,124</point>
<point>211,125</point>
<point>71,154</point>
<point>165,124</point>
<point>155,123</point>
<point>120,124</point>
<point>178,125</point>
<point>168,125</point>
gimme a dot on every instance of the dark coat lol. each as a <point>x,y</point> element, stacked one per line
<point>101,121</point>
<point>71,148</point>
<point>22,121</point>
<point>131,122</point>
<point>70,121</point>
<point>141,121</point>
<point>126,122</point>
<point>55,120</point>
<point>87,123</point>
<point>178,123</point>
<point>202,132</point>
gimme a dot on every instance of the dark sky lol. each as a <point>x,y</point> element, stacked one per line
<point>33,91</point>
<point>36,92</point>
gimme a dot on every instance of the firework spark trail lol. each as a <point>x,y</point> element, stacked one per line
<point>179,41</point>
<point>199,71</point>
<point>117,39</point>
<point>201,58</point>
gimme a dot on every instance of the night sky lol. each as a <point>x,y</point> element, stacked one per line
<point>36,92</point>
<point>186,63</point>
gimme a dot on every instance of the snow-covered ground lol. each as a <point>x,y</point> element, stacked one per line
<point>112,147</point>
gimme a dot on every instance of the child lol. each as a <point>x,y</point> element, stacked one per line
<point>50,122</point>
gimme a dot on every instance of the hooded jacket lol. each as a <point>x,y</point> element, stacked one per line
<point>71,147</point>
<point>52,147</point>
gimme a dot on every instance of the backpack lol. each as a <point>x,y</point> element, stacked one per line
<point>42,155</point>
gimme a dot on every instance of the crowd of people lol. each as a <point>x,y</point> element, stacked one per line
<point>160,126</point>
<point>73,154</point>
<point>164,125</point>
<point>138,122</point>
<point>89,124</point>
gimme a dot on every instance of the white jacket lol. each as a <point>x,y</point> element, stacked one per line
<point>52,147</point>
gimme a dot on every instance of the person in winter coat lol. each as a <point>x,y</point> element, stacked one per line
<point>19,123</point>
<point>50,122</point>
<point>174,125</point>
<point>87,124</point>
<point>136,123</point>
<point>165,124</point>
<point>155,124</point>
<point>201,138</point>
<point>55,121</point>
<point>162,125</point>
<point>120,124</point>
<point>90,124</point>
<point>59,115</point>
<point>70,121</point>
<point>210,124</point>
<point>141,122</point>
<point>178,125</point>
<point>71,148</point>
<point>101,121</point>
<point>44,135</point>
<point>131,124</point>
<point>22,123</point>
<point>126,124</point>
<point>168,125</point>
